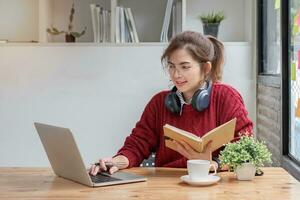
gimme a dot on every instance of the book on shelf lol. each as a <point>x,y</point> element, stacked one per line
<point>122,25</point>
<point>132,23</point>
<point>125,26</point>
<point>166,22</point>
<point>100,23</point>
<point>106,25</point>
<point>129,25</point>
<point>94,21</point>
<point>219,136</point>
<point>128,37</point>
<point>172,23</point>
<point>117,25</point>
<point>178,16</point>
<point>112,21</point>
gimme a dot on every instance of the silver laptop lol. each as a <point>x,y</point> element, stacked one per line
<point>66,161</point>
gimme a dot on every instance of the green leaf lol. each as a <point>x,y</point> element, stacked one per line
<point>55,30</point>
<point>77,35</point>
<point>247,149</point>
<point>212,17</point>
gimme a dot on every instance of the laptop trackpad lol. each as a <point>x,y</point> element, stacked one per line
<point>125,175</point>
<point>101,178</point>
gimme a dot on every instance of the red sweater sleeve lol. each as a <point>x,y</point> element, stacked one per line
<point>144,137</point>
<point>232,106</point>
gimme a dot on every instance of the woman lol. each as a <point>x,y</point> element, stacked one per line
<point>198,103</point>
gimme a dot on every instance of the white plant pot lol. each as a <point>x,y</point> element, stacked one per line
<point>245,172</point>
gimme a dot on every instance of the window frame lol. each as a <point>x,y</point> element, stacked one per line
<point>288,162</point>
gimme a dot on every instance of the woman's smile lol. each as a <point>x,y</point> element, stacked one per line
<point>180,83</point>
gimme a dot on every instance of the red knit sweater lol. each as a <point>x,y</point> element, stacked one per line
<point>225,104</point>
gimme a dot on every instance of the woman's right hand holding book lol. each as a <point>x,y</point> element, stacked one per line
<point>187,151</point>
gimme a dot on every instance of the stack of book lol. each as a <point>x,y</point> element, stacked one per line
<point>125,26</point>
<point>101,23</point>
<point>117,26</point>
<point>172,21</point>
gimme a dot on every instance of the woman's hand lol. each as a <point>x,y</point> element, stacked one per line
<point>110,165</point>
<point>187,151</point>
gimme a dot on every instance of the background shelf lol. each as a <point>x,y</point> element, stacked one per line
<point>35,16</point>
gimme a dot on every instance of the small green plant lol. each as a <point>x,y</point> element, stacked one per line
<point>55,31</point>
<point>212,18</point>
<point>246,150</point>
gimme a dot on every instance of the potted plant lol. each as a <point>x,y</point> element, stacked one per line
<point>70,35</point>
<point>245,157</point>
<point>211,22</point>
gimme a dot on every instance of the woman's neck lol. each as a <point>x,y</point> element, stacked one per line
<point>189,95</point>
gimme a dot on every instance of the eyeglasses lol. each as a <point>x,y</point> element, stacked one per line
<point>181,69</point>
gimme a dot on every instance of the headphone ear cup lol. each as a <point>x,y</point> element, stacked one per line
<point>200,100</point>
<point>172,102</point>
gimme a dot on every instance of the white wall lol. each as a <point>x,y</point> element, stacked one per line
<point>19,20</point>
<point>233,28</point>
<point>98,92</point>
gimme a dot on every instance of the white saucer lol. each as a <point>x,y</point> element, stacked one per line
<point>208,180</point>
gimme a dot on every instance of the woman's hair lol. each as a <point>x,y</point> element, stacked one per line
<point>202,48</point>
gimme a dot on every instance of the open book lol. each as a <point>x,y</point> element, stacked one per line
<point>219,136</point>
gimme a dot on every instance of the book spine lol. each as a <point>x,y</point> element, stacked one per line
<point>93,16</point>
<point>113,22</point>
<point>166,23</point>
<point>122,25</point>
<point>128,21</point>
<point>117,25</point>
<point>178,16</point>
<point>98,21</point>
<point>136,38</point>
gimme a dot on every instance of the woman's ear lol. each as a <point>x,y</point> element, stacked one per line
<point>207,67</point>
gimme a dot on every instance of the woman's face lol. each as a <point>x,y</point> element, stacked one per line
<point>185,72</point>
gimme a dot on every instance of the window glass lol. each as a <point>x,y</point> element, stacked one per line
<point>271,37</point>
<point>294,139</point>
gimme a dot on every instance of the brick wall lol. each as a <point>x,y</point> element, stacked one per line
<point>269,118</point>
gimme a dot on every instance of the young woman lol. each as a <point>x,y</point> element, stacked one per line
<point>197,103</point>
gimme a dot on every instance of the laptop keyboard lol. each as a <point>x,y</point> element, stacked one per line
<point>100,178</point>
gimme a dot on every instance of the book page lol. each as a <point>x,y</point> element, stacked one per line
<point>220,135</point>
<point>173,133</point>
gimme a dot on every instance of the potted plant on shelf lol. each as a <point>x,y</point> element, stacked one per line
<point>245,157</point>
<point>70,35</point>
<point>211,22</point>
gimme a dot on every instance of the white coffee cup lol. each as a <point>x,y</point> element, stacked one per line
<point>199,169</point>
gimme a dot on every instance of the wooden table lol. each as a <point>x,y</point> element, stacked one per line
<point>163,183</point>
